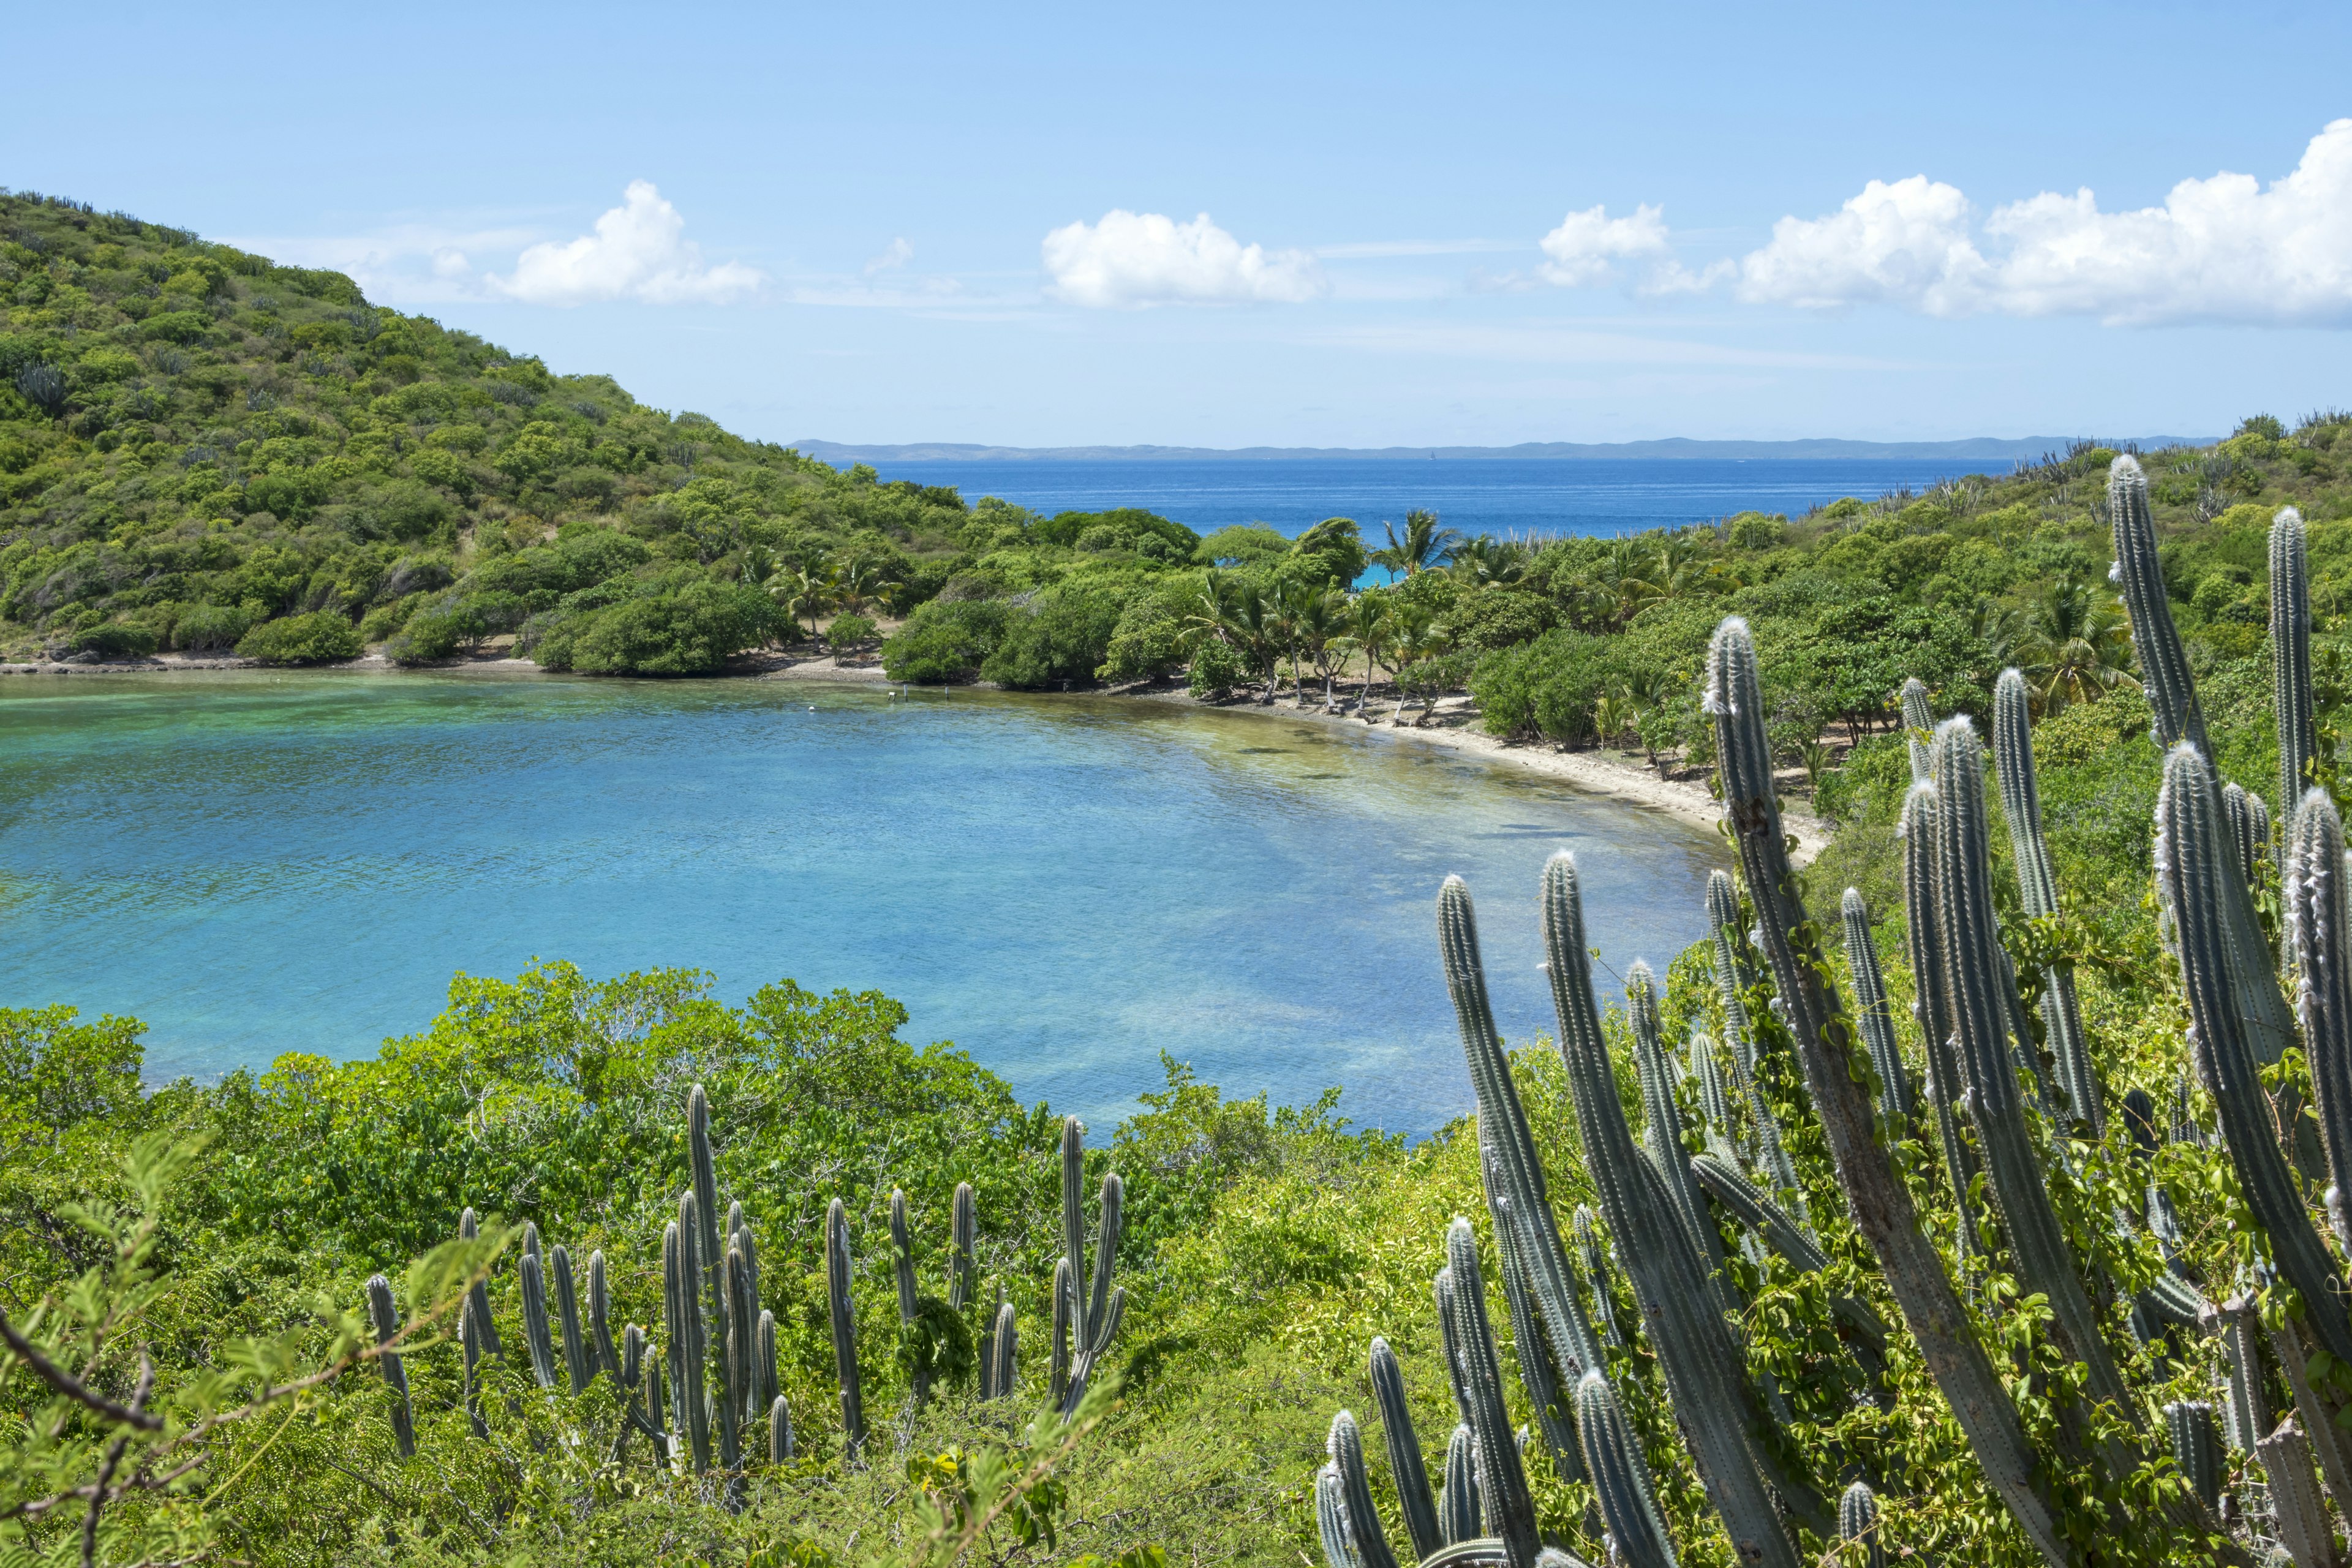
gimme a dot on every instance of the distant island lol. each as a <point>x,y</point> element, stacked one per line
<point>1980,449</point>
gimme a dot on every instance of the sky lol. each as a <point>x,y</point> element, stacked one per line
<point>1228,226</point>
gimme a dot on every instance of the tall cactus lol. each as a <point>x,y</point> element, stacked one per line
<point>1718,1408</point>
<point>2248,1405</point>
<point>2319,941</point>
<point>534,1320</point>
<point>2037,887</point>
<point>1945,1084</point>
<point>2295,1504</point>
<point>1331,1521</point>
<point>1345,1448</point>
<point>1721,1129</point>
<point>1878,1022</point>
<point>2195,865</point>
<point>2196,1447</point>
<point>1875,1193</point>
<point>601,1352</point>
<point>1975,976</point>
<point>577,1369</point>
<point>1507,1508</point>
<point>1458,1507</point>
<point>384,1316</point>
<point>1612,1457</point>
<point>1772,1152</point>
<point>711,1248</point>
<point>2172,696</point>
<point>1105,1303</point>
<point>1004,1356</point>
<point>1599,1278</point>
<point>902,1275</point>
<point>2291,659</point>
<point>844,1329</point>
<point>1661,1133</point>
<point>964,1281</point>
<point>1918,727</point>
<point>683,1332</point>
<point>1405,1466</point>
<point>1084,1326</point>
<point>780,1431</point>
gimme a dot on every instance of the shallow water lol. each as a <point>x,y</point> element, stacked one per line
<point>1066,886</point>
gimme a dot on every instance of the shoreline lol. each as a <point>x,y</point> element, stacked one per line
<point>1600,773</point>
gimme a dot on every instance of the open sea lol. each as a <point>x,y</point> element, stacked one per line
<point>1501,496</point>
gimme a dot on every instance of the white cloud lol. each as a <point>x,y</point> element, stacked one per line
<point>1147,259</point>
<point>1587,246</point>
<point>896,254</point>
<point>2219,250</point>
<point>639,252</point>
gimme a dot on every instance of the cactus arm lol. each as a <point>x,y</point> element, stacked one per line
<point>1331,1519</point>
<point>843,1313</point>
<point>577,1367</point>
<point>1772,1152</point>
<point>1724,1183</point>
<point>1405,1465</point>
<point>2194,863</point>
<point>384,1316</point>
<point>711,1248</point>
<point>2291,659</point>
<point>1004,1353</point>
<point>1872,1013</point>
<point>1945,1083</point>
<point>1714,1099</point>
<point>1858,1522</point>
<point>2319,939</point>
<point>1721,1417</point>
<point>681,1280</point>
<point>2295,1505</point>
<point>734,1364</point>
<point>764,1385</point>
<point>600,1322</point>
<point>2248,1407</point>
<point>1457,1504</point>
<point>1345,1448</point>
<point>1065,1293</point>
<point>1449,1343</point>
<point>902,1259</point>
<point>1537,1368</point>
<point>963,1234</point>
<point>1597,1273</point>
<point>2197,1447</point>
<point>535,1320</point>
<point>1612,1457</point>
<point>1976,974</point>
<point>1507,1507</point>
<point>485,1335</point>
<point>1662,1132</point>
<point>1073,1213</point>
<point>1875,1196</point>
<point>780,1431</point>
<point>1918,725</point>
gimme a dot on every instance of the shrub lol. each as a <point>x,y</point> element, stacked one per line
<point>174,326</point>
<point>848,632</point>
<point>1151,641</point>
<point>693,628</point>
<point>944,642</point>
<point>1062,640</point>
<point>323,637</point>
<point>115,640</point>
<point>1757,529</point>
<point>1547,687</point>
<point>1217,668</point>
<point>386,619</point>
<point>203,629</point>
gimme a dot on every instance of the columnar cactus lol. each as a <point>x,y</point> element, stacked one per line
<point>2196,866</point>
<point>2291,659</point>
<point>844,1329</point>
<point>1721,1129</point>
<point>601,1352</point>
<point>1975,977</point>
<point>1919,729</point>
<point>2249,829</point>
<point>1880,1202</point>
<point>1084,1326</point>
<point>2248,1405</point>
<point>1877,1021</point>
<point>1598,1276</point>
<point>1345,1448</point>
<point>964,1281</point>
<point>2297,1506</point>
<point>2196,1447</point>
<point>577,1368</point>
<point>1420,1523</point>
<point>1004,1356</point>
<point>1858,1523</point>
<point>1458,1507</point>
<point>534,1320</point>
<point>1621,1480</point>
<point>1065,1295</point>
<point>384,1318</point>
<point>1758,1213</point>
<point>2037,887</point>
<point>765,1383</point>
<point>2319,943</point>
<point>780,1431</point>
<point>1771,1154</point>
<point>711,1248</point>
<point>685,1332</point>
<point>1507,1507</point>
<point>1331,1521</point>
<point>1946,1085</point>
<point>1706,1372</point>
<point>902,1274</point>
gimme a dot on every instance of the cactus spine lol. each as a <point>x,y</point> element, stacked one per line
<point>535,1320</point>
<point>844,1329</point>
<point>2319,940</point>
<point>1858,1522</point>
<point>1875,1193</point>
<point>2196,867</point>
<point>600,1324</point>
<point>1771,1154</point>
<point>2196,1447</point>
<point>1405,1464</point>
<point>963,1283</point>
<point>1706,1375</point>
<point>384,1317</point>
<point>2291,659</point>
<point>1974,978</point>
<point>1345,1448</point>
<point>1331,1519</point>
<point>1612,1457</point>
<point>2037,887</point>
<point>1877,1023</point>
<point>1458,1502</point>
<point>577,1368</point>
<point>1919,729</point>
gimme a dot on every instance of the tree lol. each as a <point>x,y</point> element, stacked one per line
<point>1368,627</point>
<point>1322,621</point>
<point>803,590</point>
<point>1423,546</point>
<point>2077,647</point>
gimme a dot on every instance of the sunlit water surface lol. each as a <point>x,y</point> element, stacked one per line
<point>1065,887</point>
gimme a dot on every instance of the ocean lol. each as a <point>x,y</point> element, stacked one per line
<point>1501,496</point>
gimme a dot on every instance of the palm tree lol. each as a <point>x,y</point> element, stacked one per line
<point>1321,618</point>
<point>1999,629</point>
<point>2077,646</point>
<point>853,583</point>
<point>802,591</point>
<point>1240,612</point>
<point>1424,545</point>
<point>1486,561</point>
<point>1369,630</point>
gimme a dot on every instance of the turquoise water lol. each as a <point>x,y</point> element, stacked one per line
<point>256,863</point>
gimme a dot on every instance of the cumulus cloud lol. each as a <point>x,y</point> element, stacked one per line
<point>639,252</point>
<point>2222,250</point>
<point>1147,259</point>
<point>896,254</point>
<point>1587,246</point>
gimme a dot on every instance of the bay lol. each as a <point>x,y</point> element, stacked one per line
<point>1502,496</point>
<point>254,863</point>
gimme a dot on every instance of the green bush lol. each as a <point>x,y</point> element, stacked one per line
<point>323,637</point>
<point>204,628</point>
<point>1217,668</point>
<point>1062,640</point>
<point>115,640</point>
<point>1757,530</point>
<point>947,642</point>
<point>386,619</point>
<point>692,628</point>
<point>1153,636</point>
<point>848,632</point>
<point>1547,687</point>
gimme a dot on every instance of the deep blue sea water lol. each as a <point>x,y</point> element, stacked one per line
<point>258,863</point>
<point>1482,495</point>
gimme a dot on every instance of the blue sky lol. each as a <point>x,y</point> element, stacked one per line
<point>1458,225</point>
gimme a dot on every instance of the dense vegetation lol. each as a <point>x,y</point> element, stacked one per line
<point>204,1251</point>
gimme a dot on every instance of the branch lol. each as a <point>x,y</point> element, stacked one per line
<point>64,1383</point>
<point>114,1458</point>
